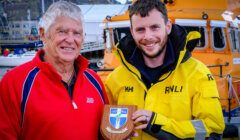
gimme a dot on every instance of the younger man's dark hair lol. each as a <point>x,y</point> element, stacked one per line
<point>143,7</point>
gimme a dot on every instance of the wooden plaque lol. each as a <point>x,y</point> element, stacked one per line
<point>116,121</point>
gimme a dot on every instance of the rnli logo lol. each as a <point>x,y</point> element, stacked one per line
<point>118,117</point>
<point>173,89</point>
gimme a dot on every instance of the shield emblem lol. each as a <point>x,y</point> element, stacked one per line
<point>118,117</point>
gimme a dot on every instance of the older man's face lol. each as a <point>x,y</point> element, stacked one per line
<point>64,40</point>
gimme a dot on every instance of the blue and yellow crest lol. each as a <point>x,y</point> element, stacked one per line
<point>118,117</point>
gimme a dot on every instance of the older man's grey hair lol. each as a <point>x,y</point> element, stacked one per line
<point>60,8</point>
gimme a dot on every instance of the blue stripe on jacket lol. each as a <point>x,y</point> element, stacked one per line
<point>27,88</point>
<point>95,84</point>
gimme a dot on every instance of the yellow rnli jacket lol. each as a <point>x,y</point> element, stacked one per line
<point>185,100</point>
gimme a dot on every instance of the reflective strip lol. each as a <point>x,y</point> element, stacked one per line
<point>27,86</point>
<point>95,84</point>
<point>200,130</point>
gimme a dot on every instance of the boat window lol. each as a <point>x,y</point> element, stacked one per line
<point>202,30</point>
<point>218,38</point>
<point>119,33</point>
<point>17,25</point>
<point>25,26</point>
<point>234,37</point>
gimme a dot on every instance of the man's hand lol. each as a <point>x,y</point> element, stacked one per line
<point>141,118</point>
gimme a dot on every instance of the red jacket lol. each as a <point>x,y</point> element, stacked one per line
<point>34,104</point>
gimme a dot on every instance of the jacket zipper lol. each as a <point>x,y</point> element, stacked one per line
<point>75,107</point>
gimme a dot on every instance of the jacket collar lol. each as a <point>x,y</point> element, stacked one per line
<point>176,42</point>
<point>178,51</point>
<point>81,64</point>
<point>168,64</point>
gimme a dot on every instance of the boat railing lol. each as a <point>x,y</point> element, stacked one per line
<point>220,67</point>
<point>92,46</point>
<point>16,41</point>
